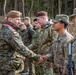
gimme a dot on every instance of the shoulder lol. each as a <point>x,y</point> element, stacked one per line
<point>8,31</point>
<point>68,36</point>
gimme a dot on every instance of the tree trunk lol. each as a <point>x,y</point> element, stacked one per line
<point>59,6</point>
<point>52,8</point>
<point>15,6</point>
<point>23,8</point>
<point>74,3</point>
<point>65,6</point>
<point>30,11</point>
<point>4,8</point>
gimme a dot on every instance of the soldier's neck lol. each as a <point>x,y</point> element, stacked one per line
<point>61,31</point>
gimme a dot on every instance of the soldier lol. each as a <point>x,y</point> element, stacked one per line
<point>59,49</point>
<point>27,34</point>
<point>23,32</point>
<point>72,25</point>
<point>11,44</point>
<point>34,41</point>
<point>73,18</point>
<point>43,42</point>
<point>30,30</point>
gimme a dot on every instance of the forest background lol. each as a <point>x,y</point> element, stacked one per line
<point>31,7</point>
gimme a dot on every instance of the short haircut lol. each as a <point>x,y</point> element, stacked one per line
<point>64,22</point>
<point>14,14</point>
<point>35,19</point>
<point>41,13</point>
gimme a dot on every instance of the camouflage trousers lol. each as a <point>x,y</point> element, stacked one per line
<point>59,71</point>
<point>31,67</point>
<point>4,72</point>
<point>43,69</point>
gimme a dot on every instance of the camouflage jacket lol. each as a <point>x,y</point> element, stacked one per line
<point>59,50</point>
<point>44,39</point>
<point>10,45</point>
<point>34,45</point>
<point>72,29</point>
<point>27,35</point>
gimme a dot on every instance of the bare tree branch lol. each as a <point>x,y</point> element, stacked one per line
<point>4,8</point>
<point>31,7</point>
<point>59,6</point>
<point>23,8</point>
<point>15,6</point>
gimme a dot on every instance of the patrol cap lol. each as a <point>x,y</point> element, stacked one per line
<point>14,14</point>
<point>61,17</point>
<point>74,13</point>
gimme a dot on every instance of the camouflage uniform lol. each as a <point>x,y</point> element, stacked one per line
<point>42,46</point>
<point>27,35</point>
<point>35,40</point>
<point>10,46</point>
<point>45,39</point>
<point>72,30</point>
<point>34,46</point>
<point>59,51</point>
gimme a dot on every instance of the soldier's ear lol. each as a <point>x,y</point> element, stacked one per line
<point>62,25</point>
<point>9,19</point>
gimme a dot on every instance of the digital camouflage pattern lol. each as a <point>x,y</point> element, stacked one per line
<point>42,46</point>
<point>59,51</point>
<point>10,46</point>
<point>72,30</point>
<point>27,34</point>
<point>45,39</point>
<point>34,46</point>
<point>74,53</point>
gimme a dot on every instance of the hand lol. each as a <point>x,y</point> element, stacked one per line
<point>23,58</point>
<point>40,60</point>
<point>45,57</point>
<point>22,26</point>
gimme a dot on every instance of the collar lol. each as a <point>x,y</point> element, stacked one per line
<point>7,23</point>
<point>46,25</point>
<point>62,35</point>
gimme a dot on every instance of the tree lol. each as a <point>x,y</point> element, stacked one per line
<point>15,6</point>
<point>59,6</point>
<point>23,8</point>
<point>5,2</point>
<point>30,11</point>
<point>74,3</point>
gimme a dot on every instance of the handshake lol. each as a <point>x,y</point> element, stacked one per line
<point>42,59</point>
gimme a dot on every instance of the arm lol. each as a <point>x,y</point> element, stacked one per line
<point>14,40</point>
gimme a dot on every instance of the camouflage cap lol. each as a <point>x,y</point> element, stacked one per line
<point>74,13</point>
<point>62,17</point>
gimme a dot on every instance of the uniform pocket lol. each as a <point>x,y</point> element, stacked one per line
<point>15,64</point>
